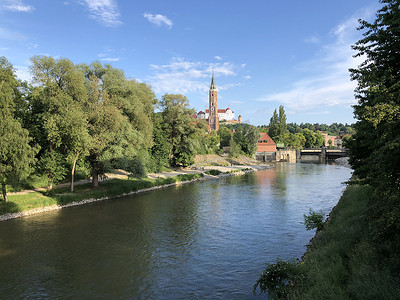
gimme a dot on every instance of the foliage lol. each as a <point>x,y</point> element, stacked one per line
<point>375,147</point>
<point>160,151</point>
<point>16,153</point>
<point>245,137</point>
<point>225,135</point>
<point>180,128</point>
<point>313,140</point>
<point>213,172</point>
<point>314,220</point>
<point>234,149</point>
<point>277,125</point>
<point>278,279</point>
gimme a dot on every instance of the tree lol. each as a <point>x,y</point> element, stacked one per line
<point>375,146</point>
<point>225,135</point>
<point>273,129</point>
<point>16,154</point>
<point>119,115</point>
<point>57,105</point>
<point>277,125</point>
<point>161,149</point>
<point>375,151</point>
<point>234,149</point>
<point>180,128</point>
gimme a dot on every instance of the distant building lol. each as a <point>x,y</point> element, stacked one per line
<point>336,141</point>
<point>213,120</point>
<point>266,148</point>
<point>265,143</point>
<point>223,114</point>
<point>214,115</point>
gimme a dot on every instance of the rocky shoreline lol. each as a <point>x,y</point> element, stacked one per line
<point>36,211</point>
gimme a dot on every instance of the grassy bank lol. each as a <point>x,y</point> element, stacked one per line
<point>343,260</point>
<point>61,196</point>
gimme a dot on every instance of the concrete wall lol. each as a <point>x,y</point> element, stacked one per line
<point>286,155</point>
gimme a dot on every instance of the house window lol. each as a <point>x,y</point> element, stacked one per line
<point>260,141</point>
<point>265,141</point>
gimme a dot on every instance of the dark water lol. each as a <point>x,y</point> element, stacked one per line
<point>205,240</point>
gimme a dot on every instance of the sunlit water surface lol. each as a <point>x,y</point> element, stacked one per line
<point>206,240</point>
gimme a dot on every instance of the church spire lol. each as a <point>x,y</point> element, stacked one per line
<point>212,87</point>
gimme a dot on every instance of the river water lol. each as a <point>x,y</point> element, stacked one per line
<point>205,240</point>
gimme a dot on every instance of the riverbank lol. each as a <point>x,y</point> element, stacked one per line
<point>343,260</point>
<point>39,201</point>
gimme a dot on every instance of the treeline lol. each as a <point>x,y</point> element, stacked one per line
<point>84,120</point>
<point>305,135</point>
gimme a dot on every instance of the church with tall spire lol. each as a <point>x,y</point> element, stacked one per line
<point>213,115</point>
<point>213,119</point>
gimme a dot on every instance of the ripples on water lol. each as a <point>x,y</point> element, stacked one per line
<point>196,241</point>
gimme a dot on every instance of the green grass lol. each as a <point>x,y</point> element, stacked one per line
<point>341,262</point>
<point>344,261</point>
<point>110,188</point>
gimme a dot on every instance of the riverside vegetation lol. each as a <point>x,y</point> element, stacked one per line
<point>356,254</point>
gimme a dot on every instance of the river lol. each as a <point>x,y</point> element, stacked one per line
<point>205,240</point>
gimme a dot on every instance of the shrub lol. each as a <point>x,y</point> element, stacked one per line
<point>314,220</point>
<point>213,172</point>
<point>278,279</point>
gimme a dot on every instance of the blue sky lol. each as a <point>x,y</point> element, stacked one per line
<point>264,53</point>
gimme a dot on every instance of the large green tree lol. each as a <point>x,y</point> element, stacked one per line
<point>375,147</point>
<point>16,153</point>
<point>119,115</point>
<point>57,115</point>
<point>181,129</point>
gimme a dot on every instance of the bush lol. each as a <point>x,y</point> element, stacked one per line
<point>213,172</point>
<point>314,220</point>
<point>278,279</point>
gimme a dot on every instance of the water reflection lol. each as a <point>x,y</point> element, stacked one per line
<point>206,240</point>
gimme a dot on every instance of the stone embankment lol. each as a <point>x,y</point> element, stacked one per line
<point>236,171</point>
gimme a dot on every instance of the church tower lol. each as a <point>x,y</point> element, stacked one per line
<point>213,121</point>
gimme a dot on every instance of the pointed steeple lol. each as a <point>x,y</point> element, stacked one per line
<point>213,87</point>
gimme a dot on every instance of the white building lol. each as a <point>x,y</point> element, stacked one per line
<point>223,114</point>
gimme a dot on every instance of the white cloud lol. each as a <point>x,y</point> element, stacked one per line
<point>23,73</point>
<point>218,57</point>
<point>110,59</point>
<point>312,40</point>
<point>158,19</point>
<point>247,77</point>
<point>327,81</point>
<point>103,11</point>
<point>17,6</point>
<point>182,76</point>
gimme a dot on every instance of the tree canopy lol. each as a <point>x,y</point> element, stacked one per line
<point>375,147</point>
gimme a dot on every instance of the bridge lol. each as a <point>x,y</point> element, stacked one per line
<point>322,154</point>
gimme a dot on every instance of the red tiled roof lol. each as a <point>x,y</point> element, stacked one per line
<point>265,143</point>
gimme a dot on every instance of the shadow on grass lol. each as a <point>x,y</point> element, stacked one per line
<point>8,207</point>
<point>62,195</point>
<point>112,188</point>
